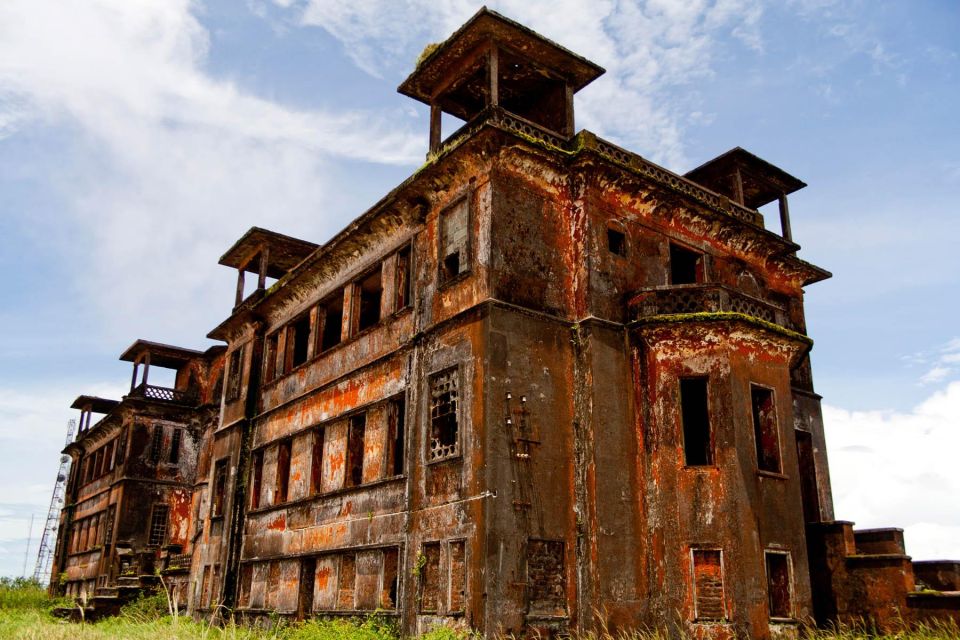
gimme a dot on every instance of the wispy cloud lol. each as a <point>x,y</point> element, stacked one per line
<point>940,363</point>
<point>895,469</point>
<point>649,49</point>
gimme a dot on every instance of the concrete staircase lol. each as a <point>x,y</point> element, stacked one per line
<point>866,577</point>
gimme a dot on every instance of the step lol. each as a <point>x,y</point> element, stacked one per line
<point>879,541</point>
<point>940,575</point>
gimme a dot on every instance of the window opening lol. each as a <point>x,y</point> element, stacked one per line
<point>256,479</point>
<point>391,579</point>
<point>316,462</point>
<point>331,313</point>
<point>298,339</point>
<point>458,576</point>
<point>444,440</point>
<point>697,445</point>
<point>235,374</point>
<point>158,525</point>
<point>219,488</point>
<point>175,445</point>
<point>708,584</point>
<point>454,235</point>
<point>765,429</point>
<point>778,584</point>
<point>617,242</point>
<point>404,291</point>
<point>686,266</point>
<point>283,472</point>
<point>395,435</point>
<point>430,578</point>
<point>156,446</point>
<point>358,426</point>
<point>270,357</point>
<point>369,292</point>
<point>348,581</point>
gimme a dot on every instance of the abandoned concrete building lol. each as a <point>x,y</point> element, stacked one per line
<point>542,379</point>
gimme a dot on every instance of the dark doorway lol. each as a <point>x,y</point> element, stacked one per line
<point>308,572</point>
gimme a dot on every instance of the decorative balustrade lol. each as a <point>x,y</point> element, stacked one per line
<point>164,394</point>
<point>704,298</point>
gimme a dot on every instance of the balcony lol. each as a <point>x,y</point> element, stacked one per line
<point>164,394</point>
<point>704,298</point>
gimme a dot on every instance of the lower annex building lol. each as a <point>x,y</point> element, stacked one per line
<point>542,378</point>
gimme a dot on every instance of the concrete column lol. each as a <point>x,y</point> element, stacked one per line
<point>785,219</point>
<point>434,128</point>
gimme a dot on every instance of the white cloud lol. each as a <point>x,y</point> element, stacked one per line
<point>167,166</point>
<point>894,469</point>
<point>647,48</point>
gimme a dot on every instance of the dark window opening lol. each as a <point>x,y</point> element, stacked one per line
<point>219,488</point>
<point>235,374</point>
<point>270,357</point>
<point>358,426</point>
<point>708,584</point>
<point>430,578</point>
<point>347,582</point>
<point>686,266</point>
<point>122,446</point>
<point>391,579</point>
<point>395,435</point>
<point>694,410</point>
<point>444,440</point>
<point>404,291</point>
<point>617,242</point>
<point>283,472</point>
<point>308,578</point>
<point>369,292</point>
<point>298,340</point>
<point>256,479</point>
<point>158,525</point>
<point>316,462</point>
<point>246,581</point>
<point>330,312</point>
<point>156,445</point>
<point>454,235</point>
<point>458,576</point>
<point>175,446</point>
<point>765,429</point>
<point>778,584</point>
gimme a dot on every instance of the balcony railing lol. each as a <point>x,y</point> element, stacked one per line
<point>164,394</point>
<point>705,298</point>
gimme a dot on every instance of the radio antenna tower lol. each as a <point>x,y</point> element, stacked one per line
<point>41,572</point>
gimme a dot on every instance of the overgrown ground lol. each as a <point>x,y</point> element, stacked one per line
<point>25,615</point>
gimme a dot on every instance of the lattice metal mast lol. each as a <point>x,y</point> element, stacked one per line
<point>41,572</point>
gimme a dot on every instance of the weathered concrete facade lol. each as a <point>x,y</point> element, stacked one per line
<point>542,382</point>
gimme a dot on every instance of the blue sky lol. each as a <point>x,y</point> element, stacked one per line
<point>138,140</point>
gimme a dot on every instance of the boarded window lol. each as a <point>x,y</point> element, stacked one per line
<point>256,479</point>
<point>175,441</point>
<point>270,356</point>
<point>391,579</point>
<point>219,488</point>
<point>156,446</point>
<point>444,428</point>
<point>430,578</point>
<point>316,461</point>
<point>330,316</point>
<point>686,266</point>
<point>367,294</point>
<point>708,584</point>
<point>457,576</point>
<point>404,283</point>
<point>355,438</point>
<point>158,525</point>
<point>235,374</point>
<point>778,584</point>
<point>347,582</point>
<point>546,578</point>
<point>695,415</point>
<point>617,242</point>
<point>246,581</point>
<point>454,236</point>
<point>298,341</point>
<point>283,472</point>
<point>765,429</point>
<point>395,435</point>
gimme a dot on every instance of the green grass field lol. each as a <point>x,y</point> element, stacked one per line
<point>25,615</point>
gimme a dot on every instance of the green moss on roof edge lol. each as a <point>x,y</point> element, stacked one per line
<point>724,316</point>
